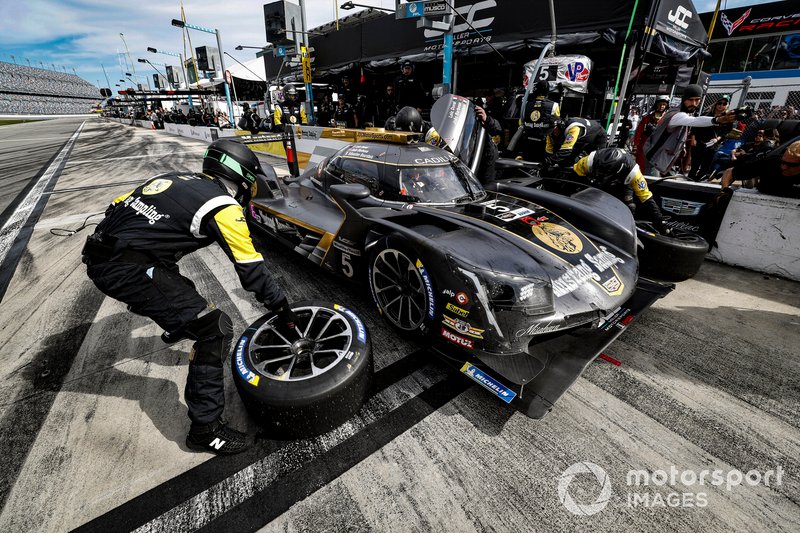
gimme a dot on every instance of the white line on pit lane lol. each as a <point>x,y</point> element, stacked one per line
<point>80,161</point>
<point>33,139</point>
<point>17,220</point>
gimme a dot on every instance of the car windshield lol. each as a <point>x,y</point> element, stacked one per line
<point>444,184</point>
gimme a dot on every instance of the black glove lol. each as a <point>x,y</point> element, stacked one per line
<point>654,214</point>
<point>286,321</point>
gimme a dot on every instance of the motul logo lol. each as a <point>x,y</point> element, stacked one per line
<point>456,339</point>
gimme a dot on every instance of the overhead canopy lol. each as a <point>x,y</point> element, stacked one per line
<point>252,70</point>
<point>504,22</point>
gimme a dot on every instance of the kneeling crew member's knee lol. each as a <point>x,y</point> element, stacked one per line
<point>212,332</point>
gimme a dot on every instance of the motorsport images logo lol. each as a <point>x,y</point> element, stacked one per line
<point>584,509</point>
<point>660,488</point>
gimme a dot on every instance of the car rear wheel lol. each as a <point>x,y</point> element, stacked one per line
<point>306,384</point>
<point>402,289</point>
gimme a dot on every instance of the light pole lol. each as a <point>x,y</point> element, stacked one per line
<point>181,24</point>
<point>183,67</point>
<point>140,60</point>
<point>352,5</point>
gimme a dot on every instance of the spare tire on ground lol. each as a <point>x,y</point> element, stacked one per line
<point>297,388</point>
<point>674,257</point>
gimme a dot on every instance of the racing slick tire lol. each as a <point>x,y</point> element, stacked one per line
<point>402,288</point>
<point>674,257</point>
<point>308,386</point>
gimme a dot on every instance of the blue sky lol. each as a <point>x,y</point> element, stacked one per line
<point>85,34</point>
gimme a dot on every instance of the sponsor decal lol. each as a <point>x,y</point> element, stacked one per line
<point>577,72</point>
<point>729,26</point>
<point>248,375</point>
<point>680,207</point>
<point>534,221</point>
<point>428,289</point>
<point>345,248</point>
<point>430,160</point>
<point>488,382</point>
<point>146,210</point>
<point>570,137</point>
<point>462,298</point>
<point>612,284</point>
<point>156,186</point>
<point>448,292</point>
<point>679,15</point>
<point>536,115</point>
<point>457,339</point>
<point>457,310</point>
<point>462,327</point>
<point>581,273</point>
<point>641,185</point>
<point>537,328</point>
<point>362,330</point>
<point>558,237</point>
<point>520,213</point>
<point>619,317</point>
<point>674,224</point>
<point>309,134</point>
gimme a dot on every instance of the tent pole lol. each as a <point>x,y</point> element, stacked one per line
<point>621,60</point>
<point>623,93</point>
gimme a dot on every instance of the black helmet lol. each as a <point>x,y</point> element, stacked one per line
<point>408,119</point>
<point>610,166</point>
<point>542,88</point>
<point>289,90</point>
<point>390,125</point>
<point>234,162</point>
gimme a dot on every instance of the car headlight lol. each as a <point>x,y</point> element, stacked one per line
<point>504,291</point>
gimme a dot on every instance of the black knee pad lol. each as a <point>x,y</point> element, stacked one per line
<point>212,332</point>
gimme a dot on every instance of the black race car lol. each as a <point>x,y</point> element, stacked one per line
<point>531,284</point>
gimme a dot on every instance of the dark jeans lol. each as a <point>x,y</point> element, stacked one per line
<point>162,294</point>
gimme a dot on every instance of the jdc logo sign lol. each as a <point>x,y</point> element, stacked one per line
<point>472,16</point>
<point>679,16</point>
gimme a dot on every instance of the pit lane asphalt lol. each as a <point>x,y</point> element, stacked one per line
<point>92,415</point>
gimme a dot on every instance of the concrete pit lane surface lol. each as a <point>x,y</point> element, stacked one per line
<point>697,430</point>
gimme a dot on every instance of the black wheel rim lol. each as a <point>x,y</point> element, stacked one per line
<point>323,339</point>
<point>399,289</point>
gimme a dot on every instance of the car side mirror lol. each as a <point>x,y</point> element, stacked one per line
<point>349,191</point>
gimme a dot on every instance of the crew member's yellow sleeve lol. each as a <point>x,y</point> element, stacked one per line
<point>639,185</point>
<point>277,115</point>
<point>582,167</point>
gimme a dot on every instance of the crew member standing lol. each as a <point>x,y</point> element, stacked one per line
<point>408,89</point>
<point>646,128</point>
<point>290,111</point>
<point>133,257</point>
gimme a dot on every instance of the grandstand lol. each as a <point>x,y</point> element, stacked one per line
<point>34,91</point>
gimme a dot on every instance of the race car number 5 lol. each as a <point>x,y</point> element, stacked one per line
<point>347,268</point>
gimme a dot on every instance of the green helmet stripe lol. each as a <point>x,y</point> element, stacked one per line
<point>234,165</point>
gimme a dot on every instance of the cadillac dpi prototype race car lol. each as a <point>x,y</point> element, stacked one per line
<point>521,287</point>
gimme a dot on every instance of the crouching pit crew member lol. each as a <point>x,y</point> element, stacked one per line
<point>133,254</point>
<point>615,171</point>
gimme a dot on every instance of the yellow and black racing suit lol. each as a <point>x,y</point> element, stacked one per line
<point>630,184</point>
<point>578,137</point>
<point>292,113</point>
<point>133,255</point>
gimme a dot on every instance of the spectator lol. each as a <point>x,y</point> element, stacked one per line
<point>762,143</point>
<point>704,140</point>
<point>646,127</point>
<point>408,89</point>
<point>222,120</point>
<point>667,143</point>
<point>777,173</point>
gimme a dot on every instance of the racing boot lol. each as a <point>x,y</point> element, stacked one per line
<point>216,437</point>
